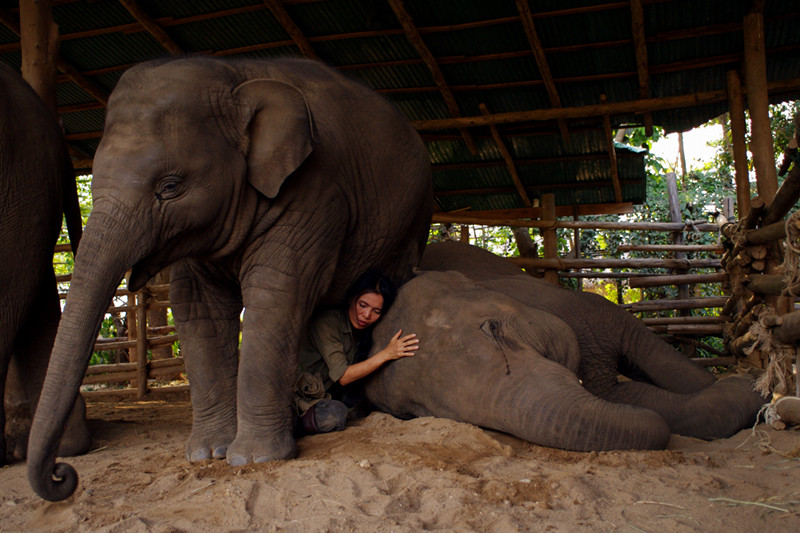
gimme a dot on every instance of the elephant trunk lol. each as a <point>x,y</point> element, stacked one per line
<point>106,254</point>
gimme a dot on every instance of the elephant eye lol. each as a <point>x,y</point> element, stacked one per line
<point>168,187</point>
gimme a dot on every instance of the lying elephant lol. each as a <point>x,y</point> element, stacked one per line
<point>505,351</point>
<point>268,185</point>
<point>37,186</point>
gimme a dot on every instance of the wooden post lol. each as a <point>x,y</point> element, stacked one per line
<point>549,235</point>
<point>39,42</point>
<point>738,129</point>
<point>675,216</point>
<point>141,343</point>
<point>465,233</point>
<point>758,102</point>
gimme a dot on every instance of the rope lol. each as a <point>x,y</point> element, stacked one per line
<point>780,356</point>
<point>791,258</point>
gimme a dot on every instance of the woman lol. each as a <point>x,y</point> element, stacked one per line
<point>334,356</point>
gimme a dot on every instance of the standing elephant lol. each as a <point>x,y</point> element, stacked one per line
<point>37,185</point>
<point>503,350</point>
<point>267,185</point>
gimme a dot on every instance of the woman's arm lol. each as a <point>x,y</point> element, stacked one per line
<point>398,347</point>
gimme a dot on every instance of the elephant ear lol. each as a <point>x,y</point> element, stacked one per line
<point>280,132</point>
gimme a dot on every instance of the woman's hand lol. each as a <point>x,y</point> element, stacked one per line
<point>401,346</point>
<point>398,347</point>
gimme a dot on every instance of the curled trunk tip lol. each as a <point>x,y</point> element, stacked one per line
<point>56,484</point>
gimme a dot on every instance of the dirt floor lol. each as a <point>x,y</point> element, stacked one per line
<point>385,474</point>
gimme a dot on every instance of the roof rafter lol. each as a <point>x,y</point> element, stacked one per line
<point>508,158</point>
<point>289,26</point>
<point>526,18</point>
<point>158,33</point>
<point>416,40</point>
<point>612,153</point>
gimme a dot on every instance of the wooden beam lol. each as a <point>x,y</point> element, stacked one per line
<point>612,154</point>
<point>539,55</point>
<point>640,49</point>
<point>39,41</point>
<point>755,69</point>
<point>289,26</point>
<point>416,40</point>
<point>151,27</point>
<point>595,110</point>
<point>509,160</point>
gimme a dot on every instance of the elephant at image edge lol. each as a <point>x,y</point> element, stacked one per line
<point>506,351</point>
<point>37,183</point>
<point>269,185</point>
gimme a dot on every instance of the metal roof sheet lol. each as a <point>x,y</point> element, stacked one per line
<point>482,56</point>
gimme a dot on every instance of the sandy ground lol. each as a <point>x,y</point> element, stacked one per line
<point>385,474</point>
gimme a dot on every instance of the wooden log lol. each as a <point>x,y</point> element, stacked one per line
<point>667,320</point>
<point>786,197</point>
<point>766,234</point>
<point>658,281</point>
<point>764,284</point>
<point>460,218</point>
<point>788,332</point>
<point>605,275</point>
<point>565,263</point>
<point>133,392</point>
<point>716,248</point>
<point>668,304</point>
<point>695,329</point>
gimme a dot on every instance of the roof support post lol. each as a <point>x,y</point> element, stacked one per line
<point>39,41</point>
<point>549,235</point>
<point>755,70</point>
<point>738,129</point>
<point>642,71</point>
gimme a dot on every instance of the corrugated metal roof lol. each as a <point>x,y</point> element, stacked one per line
<point>483,56</point>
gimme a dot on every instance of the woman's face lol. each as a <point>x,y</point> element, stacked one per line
<point>365,310</point>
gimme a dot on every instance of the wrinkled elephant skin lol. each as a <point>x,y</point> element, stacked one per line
<point>37,185</point>
<point>506,351</point>
<point>268,185</point>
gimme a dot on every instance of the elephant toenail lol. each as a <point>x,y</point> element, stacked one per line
<point>237,460</point>
<point>220,452</point>
<point>198,455</point>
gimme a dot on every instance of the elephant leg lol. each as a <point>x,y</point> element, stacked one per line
<point>206,305</point>
<point>718,411</point>
<point>31,357</point>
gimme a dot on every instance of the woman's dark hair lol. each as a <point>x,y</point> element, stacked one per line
<point>370,281</point>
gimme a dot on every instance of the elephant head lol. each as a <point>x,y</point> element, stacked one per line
<point>194,165</point>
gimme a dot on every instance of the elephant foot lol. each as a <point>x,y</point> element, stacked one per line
<point>721,410</point>
<point>261,449</point>
<point>204,445</point>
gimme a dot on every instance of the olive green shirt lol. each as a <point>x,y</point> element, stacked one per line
<point>328,348</point>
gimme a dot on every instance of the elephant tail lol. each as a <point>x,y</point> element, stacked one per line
<point>71,206</point>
